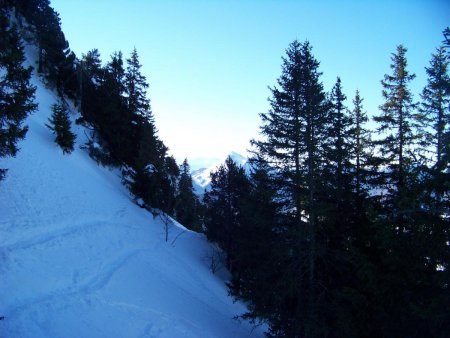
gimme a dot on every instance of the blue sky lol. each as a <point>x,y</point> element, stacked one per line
<point>209,63</point>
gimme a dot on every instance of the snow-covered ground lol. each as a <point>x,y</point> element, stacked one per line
<point>79,259</point>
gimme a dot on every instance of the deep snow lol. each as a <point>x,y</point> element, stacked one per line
<point>79,259</point>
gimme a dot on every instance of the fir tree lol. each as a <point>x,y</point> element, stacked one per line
<point>338,131</point>
<point>112,118</point>
<point>229,189</point>
<point>60,126</point>
<point>338,150</point>
<point>187,203</point>
<point>294,132</point>
<point>258,252</point>
<point>397,123</point>
<point>16,92</point>
<point>410,235</point>
<point>91,76</point>
<point>136,88</point>
<point>436,102</point>
<point>361,143</point>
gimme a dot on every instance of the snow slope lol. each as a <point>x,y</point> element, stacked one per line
<point>79,259</point>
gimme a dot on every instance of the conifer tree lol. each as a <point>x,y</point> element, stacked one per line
<point>338,149</point>
<point>136,88</point>
<point>294,132</point>
<point>397,123</point>
<point>436,102</point>
<point>258,252</point>
<point>91,78</point>
<point>16,92</point>
<point>187,203</point>
<point>229,188</point>
<point>60,126</point>
<point>409,234</point>
<point>112,118</point>
<point>361,143</point>
<point>338,131</point>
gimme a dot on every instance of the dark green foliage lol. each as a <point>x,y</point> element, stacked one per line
<point>187,204</point>
<point>257,267</point>
<point>60,125</point>
<point>224,202</point>
<point>56,61</point>
<point>329,240</point>
<point>397,123</point>
<point>16,92</point>
<point>436,103</point>
<point>136,89</point>
<point>360,149</point>
<point>295,131</point>
<point>115,105</point>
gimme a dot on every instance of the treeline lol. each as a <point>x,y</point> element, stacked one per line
<point>342,231</point>
<point>114,107</point>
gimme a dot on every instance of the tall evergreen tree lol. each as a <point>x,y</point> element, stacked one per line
<point>56,60</point>
<point>338,131</point>
<point>436,102</point>
<point>187,203</point>
<point>229,189</point>
<point>338,154</point>
<point>16,92</point>
<point>361,143</point>
<point>294,132</point>
<point>91,77</point>
<point>256,278</point>
<point>136,88</point>
<point>397,124</point>
<point>113,119</point>
<point>409,235</point>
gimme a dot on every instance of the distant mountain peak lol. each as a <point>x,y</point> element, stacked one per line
<point>201,178</point>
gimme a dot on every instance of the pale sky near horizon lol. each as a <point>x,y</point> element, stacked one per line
<point>209,63</point>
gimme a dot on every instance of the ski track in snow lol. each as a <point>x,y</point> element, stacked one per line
<point>95,283</point>
<point>79,259</point>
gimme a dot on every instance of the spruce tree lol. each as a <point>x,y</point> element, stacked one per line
<point>112,117</point>
<point>187,203</point>
<point>293,144</point>
<point>397,124</point>
<point>224,201</point>
<point>91,76</point>
<point>338,156</point>
<point>338,131</point>
<point>409,234</point>
<point>361,144</point>
<point>136,88</point>
<point>436,103</point>
<point>60,126</point>
<point>256,278</point>
<point>16,92</point>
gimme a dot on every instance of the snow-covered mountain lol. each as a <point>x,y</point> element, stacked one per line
<point>201,179</point>
<point>79,259</point>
